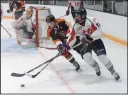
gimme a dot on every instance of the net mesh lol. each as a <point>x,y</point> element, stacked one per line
<point>40,14</point>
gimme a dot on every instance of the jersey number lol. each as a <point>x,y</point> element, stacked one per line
<point>98,24</point>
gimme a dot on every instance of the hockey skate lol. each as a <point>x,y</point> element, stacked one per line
<point>78,69</point>
<point>116,76</point>
<point>97,69</point>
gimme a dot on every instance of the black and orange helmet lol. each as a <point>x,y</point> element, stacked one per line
<point>50,18</point>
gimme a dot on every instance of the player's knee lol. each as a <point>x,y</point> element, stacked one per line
<point>103,58</point>
<point>88,58</point>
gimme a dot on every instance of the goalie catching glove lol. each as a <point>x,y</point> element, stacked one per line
<point>63,48</point>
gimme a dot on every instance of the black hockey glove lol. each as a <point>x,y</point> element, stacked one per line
<point>86,39</point>
<point>63,48</point>
<point>90,39</point>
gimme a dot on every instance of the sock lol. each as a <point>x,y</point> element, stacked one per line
<point>74,62</point>
<point>109,66</point>
<point>107,63</point>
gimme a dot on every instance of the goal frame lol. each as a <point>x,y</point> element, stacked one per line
<point>37,8</point>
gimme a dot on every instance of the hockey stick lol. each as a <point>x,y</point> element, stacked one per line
<point>33,76</point>
<point>21,75</point>
<point>6,31</point>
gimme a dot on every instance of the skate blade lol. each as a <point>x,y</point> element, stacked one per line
<point>80,70</point>
<point>119,80</point>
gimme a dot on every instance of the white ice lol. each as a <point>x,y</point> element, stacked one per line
<point>59,76</point>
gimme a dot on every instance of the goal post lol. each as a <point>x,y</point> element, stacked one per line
<point>40,14</point>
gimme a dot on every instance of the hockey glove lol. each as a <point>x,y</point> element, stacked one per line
<point>63,48</point>
<point>86,39</point>
<point>67,13</point>
<point>89,39</point>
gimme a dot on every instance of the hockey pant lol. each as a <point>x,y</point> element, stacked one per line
<point>99,49</point>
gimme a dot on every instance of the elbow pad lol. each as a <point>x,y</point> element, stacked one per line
<point>97,34</point>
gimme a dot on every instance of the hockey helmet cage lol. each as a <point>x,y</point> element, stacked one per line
<point>80,15</point>
<point>81,11</point>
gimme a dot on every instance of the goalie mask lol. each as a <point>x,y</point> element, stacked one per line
<point>80,15</point>
<point>29,12</point>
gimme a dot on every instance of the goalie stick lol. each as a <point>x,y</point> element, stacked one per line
<point>21,75</point>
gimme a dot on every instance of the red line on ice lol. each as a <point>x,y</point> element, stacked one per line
<point>61,78</point>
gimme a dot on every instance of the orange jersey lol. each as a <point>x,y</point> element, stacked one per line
<point>59,32</point>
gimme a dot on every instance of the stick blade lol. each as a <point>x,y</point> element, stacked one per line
<point>33,76</point>
<point>17,75</point>
<point>29,75</point>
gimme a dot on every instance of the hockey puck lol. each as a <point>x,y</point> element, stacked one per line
<point>22,85</point>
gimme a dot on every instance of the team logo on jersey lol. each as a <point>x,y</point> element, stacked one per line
<point>79,28</point>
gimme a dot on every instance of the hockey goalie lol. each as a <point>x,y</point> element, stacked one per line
<point>25,29</point>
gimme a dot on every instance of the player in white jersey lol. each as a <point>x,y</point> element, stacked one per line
<point>74,5</point>
<point>25,27</point>
<point>86,35</point>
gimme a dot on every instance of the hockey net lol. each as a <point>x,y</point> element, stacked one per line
<point>40,14</point>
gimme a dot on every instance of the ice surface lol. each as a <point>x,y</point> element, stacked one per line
<point>59,76</point>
